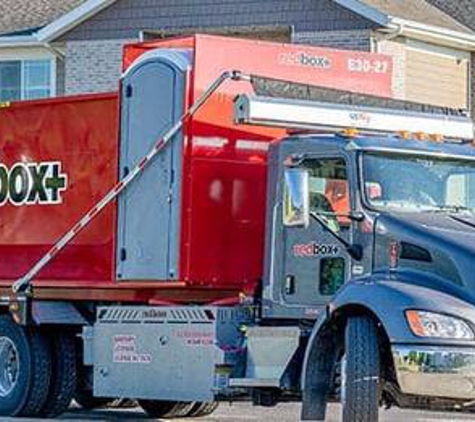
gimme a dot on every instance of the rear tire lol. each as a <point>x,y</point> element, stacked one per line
<point>87,401</point>
<point>201,409</point>
<point>182,409</point>
<point>125,404</point>
<point>64,374</point>
<point>360,371</point>
<point>165,409</point>
<point>25,369</point>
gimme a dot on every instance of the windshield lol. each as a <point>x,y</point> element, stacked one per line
<point>413,183</point>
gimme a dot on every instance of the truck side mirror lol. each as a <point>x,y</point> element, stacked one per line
<point>296,198</point>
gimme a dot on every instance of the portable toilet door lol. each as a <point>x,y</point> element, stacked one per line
<point>153,97</point>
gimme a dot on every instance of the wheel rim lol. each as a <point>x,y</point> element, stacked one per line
<point>9,366</point>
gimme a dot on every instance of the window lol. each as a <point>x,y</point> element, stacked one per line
<point>329,192</point>
<point>332,275</point>
<point>419,183</point>
<point>460,190</point>
<point>25,79</point>
<point>296,210</point>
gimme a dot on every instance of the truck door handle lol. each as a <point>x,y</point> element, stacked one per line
<point>290,285</point>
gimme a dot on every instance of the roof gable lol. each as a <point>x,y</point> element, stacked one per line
<point>17,16</point>
<point>462,10</point>
<point>420,11</point>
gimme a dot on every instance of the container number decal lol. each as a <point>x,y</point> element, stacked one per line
<point>32,184</point>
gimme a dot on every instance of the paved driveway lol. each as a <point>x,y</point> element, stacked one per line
<point>245,412</point>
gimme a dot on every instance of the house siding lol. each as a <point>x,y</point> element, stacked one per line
<point>93,66</point>
<point>126,18</point>
<point>359,39</point>
<point>464,12</point>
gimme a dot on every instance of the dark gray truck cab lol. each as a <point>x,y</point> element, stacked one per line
<point>384,264</point>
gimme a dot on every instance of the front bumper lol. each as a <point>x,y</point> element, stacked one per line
<point>435,371</point>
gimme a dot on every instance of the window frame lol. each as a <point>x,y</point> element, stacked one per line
<point>396,153</point>
<point>336,156</point>
<point>28,56</point>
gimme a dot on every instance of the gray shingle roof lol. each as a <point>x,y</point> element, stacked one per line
<point>21,15</point>
<point>462,10</point>
<point>420,11</point>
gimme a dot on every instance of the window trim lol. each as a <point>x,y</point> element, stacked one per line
<point>24,56</point>
<point>336,155</point>
<point>361,171</point>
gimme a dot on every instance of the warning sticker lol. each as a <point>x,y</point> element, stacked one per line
<point>196,337</point>
<point>125,350</point>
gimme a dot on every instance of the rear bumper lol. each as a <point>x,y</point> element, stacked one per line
<point>435,371</point>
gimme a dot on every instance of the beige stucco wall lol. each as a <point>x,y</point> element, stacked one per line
<point>427,73</point>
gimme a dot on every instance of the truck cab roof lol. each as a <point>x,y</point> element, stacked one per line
<point>389,143</point>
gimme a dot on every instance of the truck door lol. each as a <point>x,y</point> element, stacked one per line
<point>316,264</point>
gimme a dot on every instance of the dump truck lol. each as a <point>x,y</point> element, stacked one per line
<point>241,221</point>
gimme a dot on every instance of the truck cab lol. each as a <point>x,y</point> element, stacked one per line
<point>374,237</point>
<point>369,250</point>
<point>353,188</point>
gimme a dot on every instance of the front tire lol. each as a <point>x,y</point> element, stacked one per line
<point>361,371</point>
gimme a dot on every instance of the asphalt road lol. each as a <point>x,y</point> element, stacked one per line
<point>245,412</point>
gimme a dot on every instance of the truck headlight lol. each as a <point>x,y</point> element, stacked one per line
<point>430,324</point>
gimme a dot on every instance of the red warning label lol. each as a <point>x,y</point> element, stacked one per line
<point>125,350</point>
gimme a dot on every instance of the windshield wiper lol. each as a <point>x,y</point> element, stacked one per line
<point>451,208</point>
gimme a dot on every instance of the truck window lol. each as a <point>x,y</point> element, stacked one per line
<point>329,192</point>
<point>295,201</point>
<point>409,183</point>
<point>460,190</point>
<point>332,275</point>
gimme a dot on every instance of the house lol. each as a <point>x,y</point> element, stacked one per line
<point>431,49</point>
<point>464,12</point>
<point>28,67</point>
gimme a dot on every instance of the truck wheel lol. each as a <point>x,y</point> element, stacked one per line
<point>165,409</point>
<point>201,409</point>
<point>25,369</point>
<point>181,410</point>
<point>64,374</point>
<point>360,371</point>
<point>124,404</point>
<point>87,401</point>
